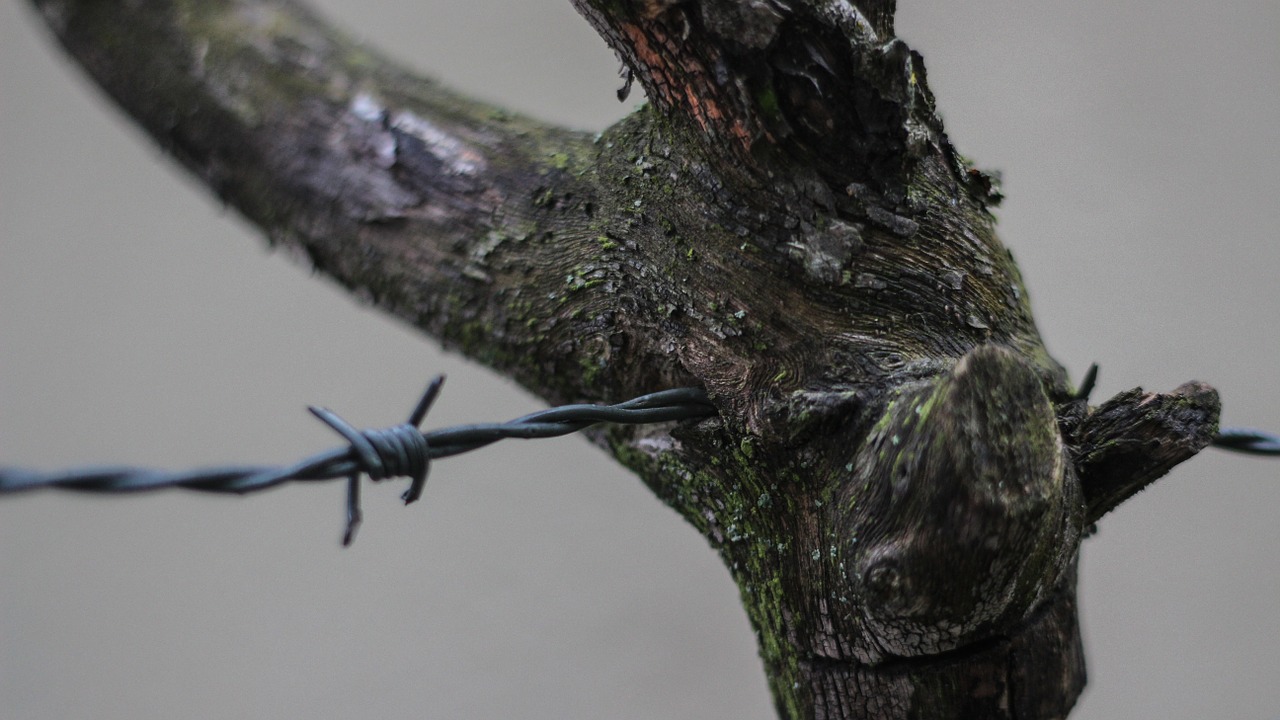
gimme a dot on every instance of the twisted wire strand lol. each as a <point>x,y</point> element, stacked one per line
<point>405,451</point>
<point>398,451</point>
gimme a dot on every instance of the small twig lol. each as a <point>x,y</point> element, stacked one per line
<point>1243,440</point>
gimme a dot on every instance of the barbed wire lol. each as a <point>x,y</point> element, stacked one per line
<point>400,451</point>
<point>1248,441</point>
<point>404,451</point>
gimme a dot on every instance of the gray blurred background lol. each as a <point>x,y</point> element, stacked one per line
<point>142,323</point>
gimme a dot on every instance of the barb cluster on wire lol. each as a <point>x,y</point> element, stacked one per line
<point>399,451</point>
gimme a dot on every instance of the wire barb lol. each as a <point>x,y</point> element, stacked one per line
<point>398,451</point>
<point>1087,384</point>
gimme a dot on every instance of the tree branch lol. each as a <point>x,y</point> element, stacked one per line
<point>774,87</point>
<point>899,476</point>
<point>437,208</point>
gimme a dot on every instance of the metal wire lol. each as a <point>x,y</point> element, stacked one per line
<point>1247,440</point>
<point>405,451</point>
<point>399,451</point>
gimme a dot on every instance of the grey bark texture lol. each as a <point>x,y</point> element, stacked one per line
<point>899,477</point>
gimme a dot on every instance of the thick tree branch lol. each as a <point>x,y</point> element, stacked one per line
<point>774,87</point>
<point>440,209</point>
<point>733,70</point>
<point>899,476</point>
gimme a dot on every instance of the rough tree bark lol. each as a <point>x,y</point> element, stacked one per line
<point>899,476</point>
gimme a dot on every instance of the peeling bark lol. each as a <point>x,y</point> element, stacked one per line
<point>899,476</point>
